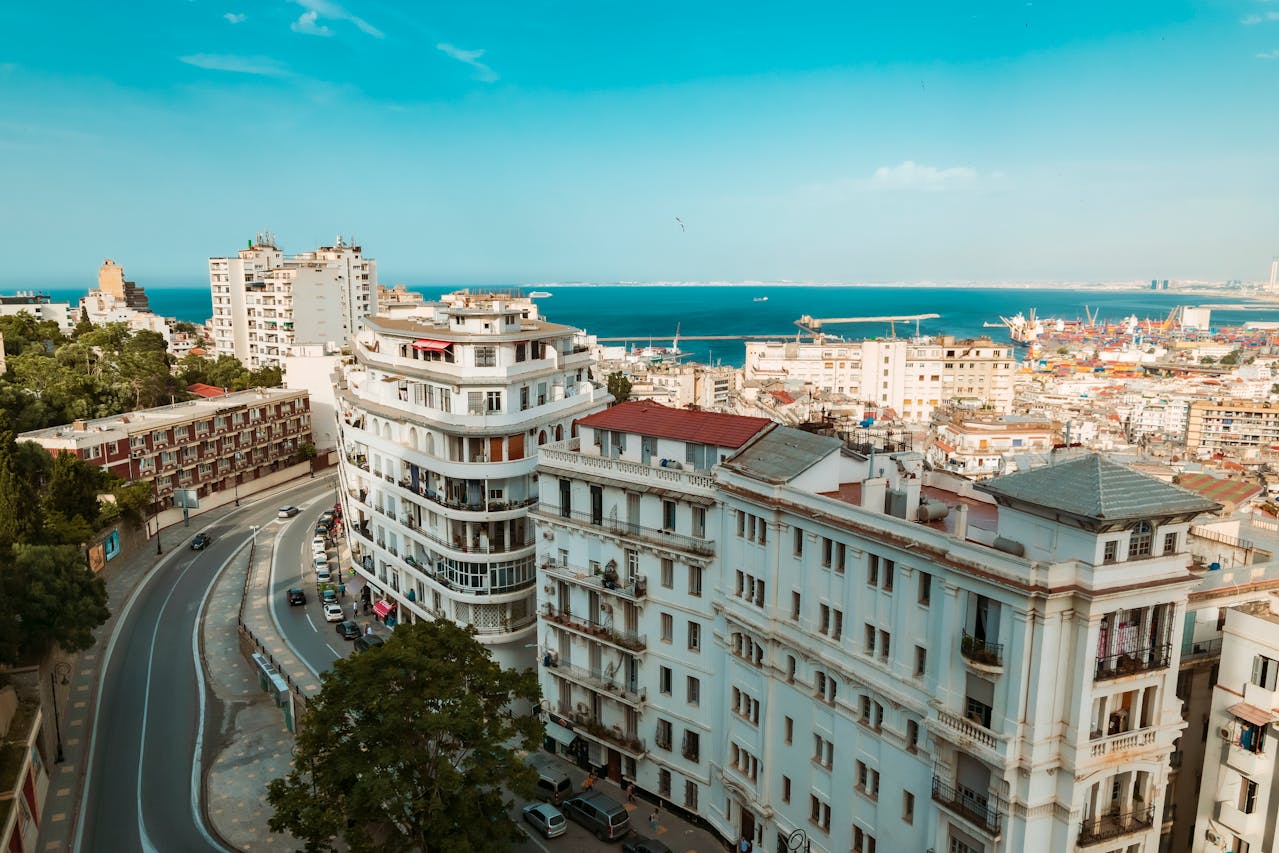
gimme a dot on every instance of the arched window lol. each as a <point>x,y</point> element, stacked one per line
<point>573,432</point>
<point>559,432</point>
<point>1139,545</point>
<point>541,437</point>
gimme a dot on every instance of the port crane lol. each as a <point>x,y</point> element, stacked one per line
<point>813,325</point>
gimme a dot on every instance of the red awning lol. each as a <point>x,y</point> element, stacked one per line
<point>431,346</point>
<point>383,607</point>
<point>1252,714</point>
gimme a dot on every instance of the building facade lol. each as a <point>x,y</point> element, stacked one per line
<point>863,650</point>
<point>24,778</point>
<point>442,411</point>
<point>975,446</point>
<point>40,306</point>
<point>913,377</point>
<point>266,302</point>
<point>1236,427</point>
<point>212,446</point>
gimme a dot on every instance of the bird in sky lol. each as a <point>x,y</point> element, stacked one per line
<point>681,224</point>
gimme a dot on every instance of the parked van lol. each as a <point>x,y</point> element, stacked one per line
<point>599,813</point>
<point>553,785</point>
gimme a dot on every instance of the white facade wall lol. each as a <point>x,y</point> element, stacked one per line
<point>41,309</point>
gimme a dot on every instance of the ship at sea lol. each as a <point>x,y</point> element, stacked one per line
<point>540,294</point>
<point>760,299</point>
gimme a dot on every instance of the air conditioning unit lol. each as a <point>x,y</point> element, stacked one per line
<point>606,608</point>
<point>1212,837</point>
<point>1225,733</point>
<point>583,708</point>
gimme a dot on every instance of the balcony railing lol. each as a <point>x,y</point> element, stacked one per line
<point>1121,742</point>
<point>1107,827</point>
<point>981,651</point>
<point>626,741</point>
<point>633,588</point>
<point>968,803</point>
<point>599,681</point>
<point>1202,649</point>
<point>626,639</point>
<point>705,547</point>
<point>1133,662</point>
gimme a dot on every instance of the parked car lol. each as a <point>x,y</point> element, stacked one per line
<point>322,530</point>
<point>323,576</point>
<point>602,815</point>
<point>546,819</point>
<point>318,562</point>
<point>201,541</point>
<point>329,596</point>
<point>348,629</point>
<point>368,641</point>
<point>319,543</point>
<point>287,512</point>
<point>553,784</point>
<point>295,596</point>
<point>645,845</point>
<point>333,612</point>
<point>327,517</point>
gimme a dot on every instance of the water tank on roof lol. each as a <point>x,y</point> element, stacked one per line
<point>1214,567</point>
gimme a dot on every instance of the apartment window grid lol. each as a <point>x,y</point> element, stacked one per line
<point>825,687</point>
<point>823,751</point>
<point>819,813</point>
<point>863,842</point>
<point>745,706</point>
<point>867,780</point>
<point>1170,543</point>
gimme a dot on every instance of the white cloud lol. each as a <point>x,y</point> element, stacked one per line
<point>912,176</point>
<point>1269,54</point>
<point>235,17</point>
<point>316,9</point>
<point>262,66</point>
<point>483,73</point>
<point>1249,20</point>
<point>306,24</point>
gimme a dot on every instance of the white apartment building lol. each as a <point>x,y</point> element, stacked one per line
<point>441,412</point>
<point>913,377</point>
<point>265,303</point>
<point>876,656</point>
<point>975,446</point>
<point>40,306</point>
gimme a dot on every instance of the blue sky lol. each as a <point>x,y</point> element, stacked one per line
<point>535,141</point>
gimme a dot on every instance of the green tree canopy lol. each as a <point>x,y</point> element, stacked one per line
<point>619,386</point>
<point>411,747</point>
<point>58,599</point>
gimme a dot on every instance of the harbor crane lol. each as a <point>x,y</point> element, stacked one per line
<point>813,325</point>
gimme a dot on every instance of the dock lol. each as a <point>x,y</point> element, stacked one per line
<point>623,338</point>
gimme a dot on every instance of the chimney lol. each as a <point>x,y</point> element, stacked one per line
<point>874,490</point>
<point>78,426</point>
<point>961,522</point>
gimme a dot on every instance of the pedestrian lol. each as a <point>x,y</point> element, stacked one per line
<point>342,590</point>
<point>368,630</point>
<point>630,792</point>
<point>652,820</point>
<point>744,845</point>
<point>590,781</point>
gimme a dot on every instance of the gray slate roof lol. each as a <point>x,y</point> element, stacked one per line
<point>781,454</point>
<point>1094,487</point>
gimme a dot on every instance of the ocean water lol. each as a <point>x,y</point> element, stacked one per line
<point>651,314</point>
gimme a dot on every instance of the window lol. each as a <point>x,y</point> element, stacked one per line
<point>694,691</point>
<point>1239,846</point>
<point>741,523</point>
<point>828,550</point>
<point>863,842</point>
<point>664,782</point>
<point>486,356</point>
<point>841,555</point>
<point>837,628</point>
<point>823,618</point>
<point>664,735</point>
<point>925,588</point>
<point>695,581</point>
<point>921,661</point>
<point>1264,671</point>
<point>790,668</point>
<point>1170,543</point>
<point>867,780</point>
<point>1110,552</point>
<point>908,807</point>
<point>668,573</point>
<point>819,813</point>
<point>668,627</point>
<point>664,679</point>
<point>694,637</point>
<point>1139,543</point>
<point>823,751</point>
<point>1248,796</point>
<point>870,641</point>
<point>668,516</point>
<point>888,576</point>
<point>788,727</point>
<point>566,498</point>
<point>799,542</point>
<point>883,644</point>
<point>872,571</point>
<point>785,789</point>
<point>692,745</point>
<point>912,735</point>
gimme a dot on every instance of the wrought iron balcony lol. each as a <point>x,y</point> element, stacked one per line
<point>1106,827</point>
<point>981,651</point>
<point>1133,662</point>
<point>981,810</point>
<point>705,547</point>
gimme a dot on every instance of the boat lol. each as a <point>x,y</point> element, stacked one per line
<point>539,294</point>
<point>761,299</point>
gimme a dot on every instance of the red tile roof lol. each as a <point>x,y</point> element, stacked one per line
<point>202,390</point>
<point>647,418</point>
<point>782,397</point>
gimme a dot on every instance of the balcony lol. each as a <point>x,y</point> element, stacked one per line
<point>1135,662</point>
<point>1099,747</point>
<point>627,742</point>
<point>634,588</point>
<point>968,804</point>
<point>970,731</point>
<point>628,640</point>
<point>1108,827</point>
<point>1201,651</point>
<point>566,456</point>
<point>601,682</point>
<point>987,656</point>
<point>703,547</point>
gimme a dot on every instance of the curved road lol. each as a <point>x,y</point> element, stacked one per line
<point>143,777</point>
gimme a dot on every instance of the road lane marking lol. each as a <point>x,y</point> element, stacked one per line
<point>313,628</point>
<point>275,619</point>
<point>335,651</point>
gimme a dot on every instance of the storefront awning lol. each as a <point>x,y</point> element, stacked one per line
<point>428,345</point>
<point>560,734</point>
<point>383,607</point>
<point>1252,714</point>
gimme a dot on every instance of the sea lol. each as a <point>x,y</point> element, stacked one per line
<point>652,314</point>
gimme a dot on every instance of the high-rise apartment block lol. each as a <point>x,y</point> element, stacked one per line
<point>442,408</point>
<point>777,634</point>
<point>265,302</point>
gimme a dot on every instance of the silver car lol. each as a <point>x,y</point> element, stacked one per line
<point>546,819</point>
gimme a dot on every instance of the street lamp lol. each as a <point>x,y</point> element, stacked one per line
<point>59,675</point>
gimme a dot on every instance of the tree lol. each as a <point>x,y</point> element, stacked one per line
<point>84,325</point>
<point>619,386</point>
<point>411,747</point>
<point>1231,357</point>
<point>58,599</point>
<point>19,509</point>
<point>73,489</point>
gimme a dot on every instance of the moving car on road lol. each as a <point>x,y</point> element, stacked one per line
<point>368,641</point>
<point>332,613</point>
<point>201,541</point>
<point>546,819</point>
<point>295,596</point>
<point>287,512</point>
<point>348,629</point>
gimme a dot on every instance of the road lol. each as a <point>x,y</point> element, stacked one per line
<point>142,786</point>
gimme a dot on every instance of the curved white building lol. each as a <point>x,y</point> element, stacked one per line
<point>441,410</point>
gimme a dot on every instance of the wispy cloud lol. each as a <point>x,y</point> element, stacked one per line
<point>483,73</point>
<point>1269,54</point>
<point>916,177</point>
<point>235,17</point>
<point>309,21</point>
<point>262,66</point>
<point>1250,20</point>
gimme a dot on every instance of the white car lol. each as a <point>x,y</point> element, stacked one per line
<point>287,512</point>
<point>317,552</point>
<point>323,576</point>
<point>319,543</point>
<point>333,613</point>
<point>320,562</point>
